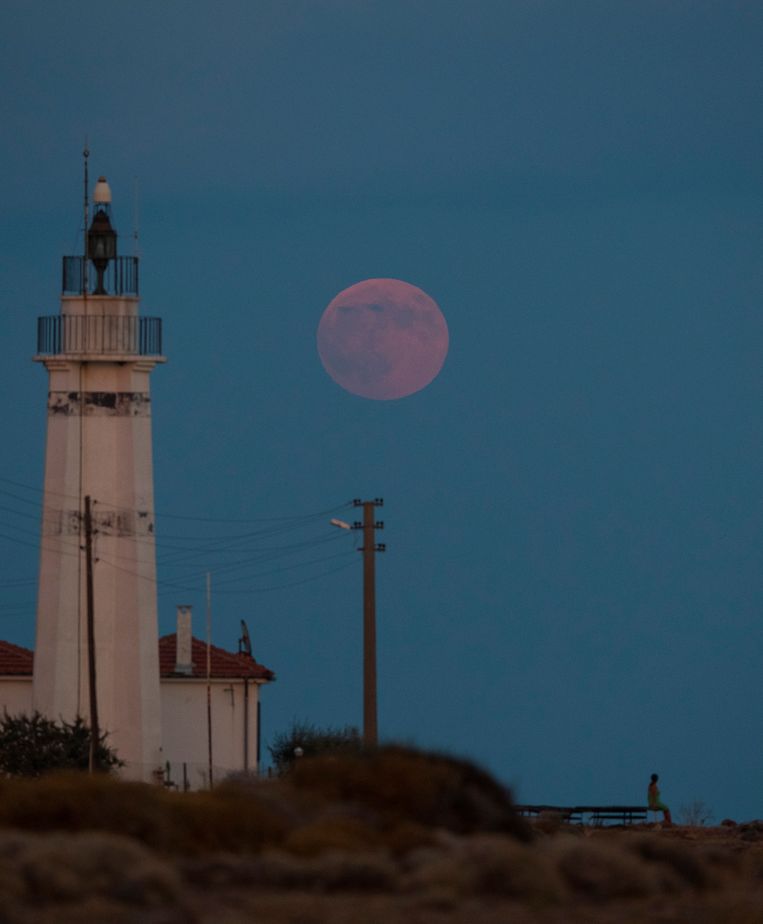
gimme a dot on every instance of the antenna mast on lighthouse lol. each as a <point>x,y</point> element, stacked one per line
<point>86,213</point>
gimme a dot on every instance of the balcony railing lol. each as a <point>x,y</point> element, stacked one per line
<point>100,334</point>
<point>119,278</point>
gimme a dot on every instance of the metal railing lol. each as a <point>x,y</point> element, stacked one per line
<point>100,334</point>
<point>119,278</point>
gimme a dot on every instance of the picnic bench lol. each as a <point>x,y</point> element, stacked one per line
<point>595,814</point>
<point>621,814</point>
<point>566,813</point>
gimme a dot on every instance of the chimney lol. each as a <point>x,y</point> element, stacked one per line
<point>183,659</point>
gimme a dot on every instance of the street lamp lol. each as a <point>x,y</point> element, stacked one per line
<point>369,548</point>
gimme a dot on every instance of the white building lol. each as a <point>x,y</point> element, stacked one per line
<point>97,652</point>
<point>99,354</point>
<point>228,707</point>
<point>234,686</point>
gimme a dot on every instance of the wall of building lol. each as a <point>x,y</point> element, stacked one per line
<point>184,726</point>
<point>16,695</point>
<point>98,444</point>
<point>184,729</point>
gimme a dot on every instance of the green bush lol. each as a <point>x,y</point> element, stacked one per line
<point>31,745</point>
<point>312,741</point>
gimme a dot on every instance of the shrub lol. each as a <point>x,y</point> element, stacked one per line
<point>428,789</point>
<point>187,823</point>
<point>391,799</point>
<point>695,813</point>
<point>601,870</point>
<point>312,741</point>
<point>31,745</point>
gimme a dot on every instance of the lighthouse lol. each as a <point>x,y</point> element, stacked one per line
<point>96,651</point>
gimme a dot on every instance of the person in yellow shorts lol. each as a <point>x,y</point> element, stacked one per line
<point>654,801</point>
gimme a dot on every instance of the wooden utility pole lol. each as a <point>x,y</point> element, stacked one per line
<point>209,680</point>
<point>369,549</point>
<point>94,729</point>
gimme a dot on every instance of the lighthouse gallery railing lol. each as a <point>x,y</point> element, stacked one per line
<point>100,334</point>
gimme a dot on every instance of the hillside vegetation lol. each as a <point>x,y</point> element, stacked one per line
<point>391,835</point>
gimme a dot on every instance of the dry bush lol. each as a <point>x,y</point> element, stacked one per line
<point>404,836</point>
<point>189,823</point>
<point>427,789</point>
<point>343,827</point>
<point>332,871</point>
<point>674,857</point>
<point>333,832</point>
<point>328,872</point>
<point>76,802</point>
<point>227,820</point>
<point>389,798</point>
<point>55,868</point>
<point>695,813</point>
<point>601,870</point>
<point>485,865</point>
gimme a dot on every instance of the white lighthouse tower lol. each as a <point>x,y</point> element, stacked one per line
<point>96,652</point>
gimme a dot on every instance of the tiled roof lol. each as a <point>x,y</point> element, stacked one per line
<point>15,660</point>
<point>18,661</point>
<point>223,663</point>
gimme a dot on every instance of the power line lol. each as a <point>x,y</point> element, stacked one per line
<point>174,585</point>
<point>174,516</point>
<point>21,513</point>
<point>238,557</point>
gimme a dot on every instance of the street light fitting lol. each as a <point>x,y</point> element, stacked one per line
<point>339,523</point>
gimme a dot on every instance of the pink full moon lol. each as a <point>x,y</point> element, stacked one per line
<point>382,339</point>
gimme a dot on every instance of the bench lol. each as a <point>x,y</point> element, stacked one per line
<point>621,814</point>
<point>567,813</point>
<point>597,814</point>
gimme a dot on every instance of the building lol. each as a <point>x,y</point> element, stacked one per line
<point>97,652</point>
<point>15,678</point>
<point>228,706</point>
<point>97,551</point>
<point>234,686</point>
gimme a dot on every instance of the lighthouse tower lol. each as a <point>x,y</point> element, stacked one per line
<point>96,651</point>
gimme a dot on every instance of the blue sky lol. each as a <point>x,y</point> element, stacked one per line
<point>572,589</point>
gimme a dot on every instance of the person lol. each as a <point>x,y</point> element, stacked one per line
<point>654,801</point>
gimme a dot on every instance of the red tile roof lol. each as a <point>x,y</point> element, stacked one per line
<point>18,661</point>
<point>15,660</point>
<point>223,663</point>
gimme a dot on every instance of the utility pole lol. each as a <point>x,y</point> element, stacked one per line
<point>209,680</point>
<point>369,549</point>
<point>94,730</point>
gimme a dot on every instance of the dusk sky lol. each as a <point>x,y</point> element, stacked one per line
<point>571,592</point>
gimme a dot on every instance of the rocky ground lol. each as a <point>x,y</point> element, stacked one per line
<point>409,840</point>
